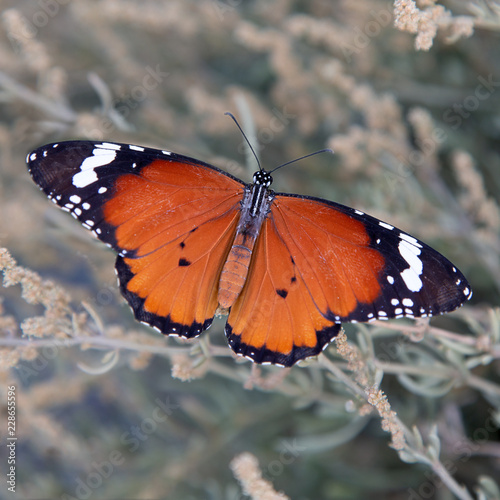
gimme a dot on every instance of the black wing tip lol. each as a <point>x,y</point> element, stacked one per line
<point>44,164</point>
<point>442,292</point>
<point>41,152</point>
<point>263,355</point>
<point>163,324</point>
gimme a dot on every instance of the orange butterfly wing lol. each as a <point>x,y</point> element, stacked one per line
<point>171,219</point>
<point>332,252</point>
<point>175,246</point>
<point>275,319</point>
<point>317,264</point>
<point>359,268</point>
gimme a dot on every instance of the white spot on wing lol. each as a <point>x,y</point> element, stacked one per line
<point>410,239</point>
<point>87,174</point>
<point>108,145</point>
<point>412,280</point>
<point>411,276</point>
<point>136,148</point>
<point>387,226</point>
<point>75,199</point>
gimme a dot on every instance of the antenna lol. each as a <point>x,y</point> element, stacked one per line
<point>327,150</point>
<point>245,137</point>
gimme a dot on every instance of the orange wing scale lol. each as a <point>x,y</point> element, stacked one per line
<point>332,251</point>
<point>167,210</point>
<point>275,319</point>
<point>180,278</point>
<point>174,247</point>
<point>299,285</point>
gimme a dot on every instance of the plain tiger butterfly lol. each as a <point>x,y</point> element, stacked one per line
<point>194,241</point>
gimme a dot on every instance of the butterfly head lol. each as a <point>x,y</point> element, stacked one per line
<point>263,178</point>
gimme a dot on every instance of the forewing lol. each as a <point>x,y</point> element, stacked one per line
<point>170,218</point>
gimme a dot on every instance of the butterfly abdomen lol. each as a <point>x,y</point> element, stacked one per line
<point>234,273</point>
<point>255,206</point>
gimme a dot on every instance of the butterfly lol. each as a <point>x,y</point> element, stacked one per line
<point>194,241</point>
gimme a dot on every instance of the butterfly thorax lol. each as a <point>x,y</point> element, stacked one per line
<point>254,208</point>
<point>262,177</point>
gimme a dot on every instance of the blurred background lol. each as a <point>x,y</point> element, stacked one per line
<point>408,96</point>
